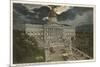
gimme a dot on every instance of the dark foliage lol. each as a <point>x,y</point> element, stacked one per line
<point>25,48</point>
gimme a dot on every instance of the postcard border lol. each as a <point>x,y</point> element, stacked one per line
<point>57,62</point>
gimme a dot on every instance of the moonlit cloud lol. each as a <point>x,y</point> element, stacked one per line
<point>86,18</point>
<point>61,9</point>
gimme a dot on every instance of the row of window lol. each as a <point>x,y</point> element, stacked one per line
<point>35,33</point>
<point>50,33</point>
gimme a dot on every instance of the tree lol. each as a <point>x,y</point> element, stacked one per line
<point>25,48</point>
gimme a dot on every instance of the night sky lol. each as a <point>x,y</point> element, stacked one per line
<point>34,14</point>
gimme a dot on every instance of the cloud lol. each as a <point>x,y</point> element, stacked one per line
<point>77,16</point>
<point>61,9</point>
<point>20,8</point>
<point>72,13</point>
<point>42,11</point>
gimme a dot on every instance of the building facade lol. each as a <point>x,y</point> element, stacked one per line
<point>52,37</point>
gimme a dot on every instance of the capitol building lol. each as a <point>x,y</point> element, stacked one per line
<point>39,37</point>
<point>52,37</point>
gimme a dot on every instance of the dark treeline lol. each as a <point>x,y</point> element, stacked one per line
<point>25,48</point>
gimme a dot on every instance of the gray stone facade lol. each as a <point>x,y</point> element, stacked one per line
<point>52,36</point>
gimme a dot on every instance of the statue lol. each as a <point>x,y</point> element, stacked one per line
<point>52,15</point>
<point>52,12</point>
